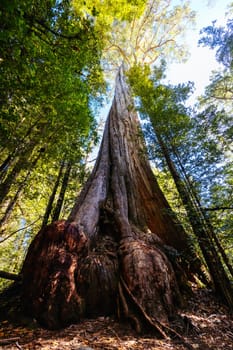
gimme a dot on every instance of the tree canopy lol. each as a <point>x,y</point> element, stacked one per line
<point>51,82</point>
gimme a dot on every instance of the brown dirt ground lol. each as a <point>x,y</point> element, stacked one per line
<point>213,329</point>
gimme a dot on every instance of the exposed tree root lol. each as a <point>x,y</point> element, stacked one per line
<point>155,325</point>
<point>161,329</point>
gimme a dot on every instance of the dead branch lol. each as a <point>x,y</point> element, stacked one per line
<point>10,276</point>
<point>7,341</point>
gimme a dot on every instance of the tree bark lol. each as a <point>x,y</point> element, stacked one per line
<point>4,166</point>
<point>49,207</point>
<point>60,200</point>
<point>121,251</point>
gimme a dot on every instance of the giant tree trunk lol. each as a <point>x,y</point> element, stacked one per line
<point>121,250</point>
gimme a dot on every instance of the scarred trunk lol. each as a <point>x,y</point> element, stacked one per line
<point>121,250</point>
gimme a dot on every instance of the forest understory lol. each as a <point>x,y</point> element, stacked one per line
<point>210,327</point>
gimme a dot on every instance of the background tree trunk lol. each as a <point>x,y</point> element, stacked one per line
<point>61,196</point>
<point>203,231</point>
<point>121,250</point>
<point>50,204</point>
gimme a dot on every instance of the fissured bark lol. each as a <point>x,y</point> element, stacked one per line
<point>121,250</point>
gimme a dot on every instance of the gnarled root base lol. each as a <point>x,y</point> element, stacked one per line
<point>49,286</point>
<point>64,280</point>
<point>147,286</point>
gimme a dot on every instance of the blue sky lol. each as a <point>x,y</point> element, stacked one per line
<point>202,60</point>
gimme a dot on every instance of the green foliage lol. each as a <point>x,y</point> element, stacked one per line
<point>46,93</point>
<point>220,39</point>
<point>162,103</point>
<point>216,115</point>
<point>169,189</point>
<point>105,12</point>
<point>50,76</point>
<point>153,35</point>
<point>42,86</point>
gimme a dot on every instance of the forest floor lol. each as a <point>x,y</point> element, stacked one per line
<point>211,327</point>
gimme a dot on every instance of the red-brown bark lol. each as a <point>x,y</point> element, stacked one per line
<point>117,252</point>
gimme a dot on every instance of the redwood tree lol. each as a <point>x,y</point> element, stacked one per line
<point>122,250</point>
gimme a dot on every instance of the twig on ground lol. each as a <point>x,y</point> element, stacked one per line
<point>6,341</point>
<point>18,346</point>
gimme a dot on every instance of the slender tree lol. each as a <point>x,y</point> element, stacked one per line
<point>50,204</point>
<point>61,196</point>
